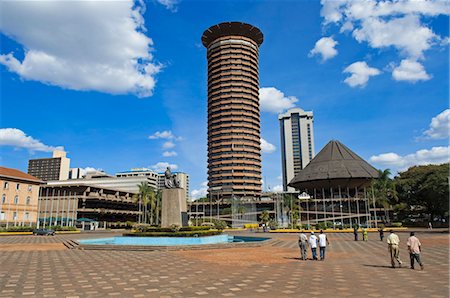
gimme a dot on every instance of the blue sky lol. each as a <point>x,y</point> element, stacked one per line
<point>100,78</point>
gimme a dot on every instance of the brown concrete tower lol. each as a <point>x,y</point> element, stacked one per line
<point>234,147</point>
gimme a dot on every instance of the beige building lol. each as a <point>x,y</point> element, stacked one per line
<point>48,169</point>
<point>19,198</point>
<point>182,177</point>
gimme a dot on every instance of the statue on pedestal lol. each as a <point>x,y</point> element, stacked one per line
<point>170,180</point>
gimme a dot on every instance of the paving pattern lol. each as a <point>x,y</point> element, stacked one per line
<point>358,269</point>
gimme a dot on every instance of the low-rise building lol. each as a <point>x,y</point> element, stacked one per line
<point>19,198</point>
<point>67,204</point>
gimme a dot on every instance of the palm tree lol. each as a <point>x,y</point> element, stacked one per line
<point>145,196</point>
<point>158,205</point>
<point>384,191</point>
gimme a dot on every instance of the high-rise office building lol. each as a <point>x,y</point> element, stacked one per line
<point>297,143</point>
<point>48,169</point>
<point>234,149</point>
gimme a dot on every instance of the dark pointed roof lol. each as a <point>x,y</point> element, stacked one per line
<point>335,165</point>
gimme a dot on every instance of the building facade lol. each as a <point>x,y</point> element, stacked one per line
<point>19,198</point>
<point>48,169</point>
<point>65,205</point>
<point>234,147</point>
<point>297,143</point>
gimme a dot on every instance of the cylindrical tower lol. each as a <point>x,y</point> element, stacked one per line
<point>234,146</point>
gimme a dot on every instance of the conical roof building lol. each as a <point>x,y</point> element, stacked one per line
<point>335,166</point>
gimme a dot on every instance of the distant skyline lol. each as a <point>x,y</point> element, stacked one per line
<point>123,85</point>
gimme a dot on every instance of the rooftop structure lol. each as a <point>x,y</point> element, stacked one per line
<point>54,168</point>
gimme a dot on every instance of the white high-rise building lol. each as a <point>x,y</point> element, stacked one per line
<point>297,143</point>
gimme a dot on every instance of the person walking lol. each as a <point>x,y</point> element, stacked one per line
<point>365,235</point>
<point>355,232</point>
<point>313,245</point>
<point>323,242</point>
<point>303,244</point>
<point>414,247</point>
<point>393,243</point>
<point>381,231</point>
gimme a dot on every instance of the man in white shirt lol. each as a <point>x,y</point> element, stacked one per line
<point>313,243</point>
<point>414,247</point>
<point>303,244</point>
<point>323,242</point>
<point>393,242</point>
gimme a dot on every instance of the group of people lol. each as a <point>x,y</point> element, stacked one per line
<point>313,242</point>
<point>393,241</point>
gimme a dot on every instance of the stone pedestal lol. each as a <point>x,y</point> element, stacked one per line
<point>173,207</point>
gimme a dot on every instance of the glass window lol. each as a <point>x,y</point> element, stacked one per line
<point>15,215</point>
<point>30,187</point>
<point>17,186</point>
<point>5,185</point>
<point>2,216</point>
<point>26,215</point>
<point>16,200</point>
<point>28,200</point>
<point>3,199</point>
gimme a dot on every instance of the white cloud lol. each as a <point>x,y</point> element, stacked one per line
<point>267,147</point>
<point>81,45</point>
<point>169,153</point>
<point>274,101</point>
<point>411,71</point>
<point>399,24</point>
<point>325,48</point>
<point>360,74</point>
<point>168,145</point>
<point>200,192</point>
<point>87,170</point>
<point>278,188</point>
<point>166,134</point>
<point>435,155</point>
<point>439,126</point>
<point>169,4</point>
<point>16,138</point>
<point>162,166</point>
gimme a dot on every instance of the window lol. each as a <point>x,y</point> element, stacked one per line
<point>3,199</point>
<point>17,186</point>
<point>15,215</point>
<point>30,187</point>
<point>2,215</point>
<point>26,215</point>
<point>5,185</point>
<point>28,201</point>
<point>16,200</point>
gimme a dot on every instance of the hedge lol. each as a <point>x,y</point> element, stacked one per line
<point>174,234</point>
<point>17,229</point>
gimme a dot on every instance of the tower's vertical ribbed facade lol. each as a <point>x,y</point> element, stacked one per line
<point>234,148</point>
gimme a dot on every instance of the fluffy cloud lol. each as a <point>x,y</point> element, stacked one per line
<point>16,138</point>
<point>439,126</point>
<point>360,74</point>
<point>168,145</point>
<point>81,45</point>
<point>278,188</point>
<point>395,24</point>
<point>87,170</point>
<point>435,155</point>
<point>162,166</point>
<point>267,147</point>
<point>274,101</point>
<point>169,4</point>
<point>166,134</point>
<point>169,153</point>
<point>200,192</point>
<point>411,71</point>
<point>325,48</point>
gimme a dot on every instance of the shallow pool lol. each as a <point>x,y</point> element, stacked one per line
<point>169,241</point>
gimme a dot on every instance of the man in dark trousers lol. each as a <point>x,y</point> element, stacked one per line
<point>355,232</point>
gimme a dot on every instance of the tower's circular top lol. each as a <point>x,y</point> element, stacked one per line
<point>232,28</point>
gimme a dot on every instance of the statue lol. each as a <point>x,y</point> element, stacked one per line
<point>170,180</point>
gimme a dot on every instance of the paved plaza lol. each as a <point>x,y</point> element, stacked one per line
<point>38,266</point>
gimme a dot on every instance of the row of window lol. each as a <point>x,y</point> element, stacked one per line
<point>26,215</point>
<point>235,158</point>
<point>237,83</point>
<point>6,186</point>
<point>217,68</point>
<point>241,69</point>
<point>16,200</point>
<point>228,52</point>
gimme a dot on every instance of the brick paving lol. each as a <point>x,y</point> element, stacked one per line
<point>351,269</point>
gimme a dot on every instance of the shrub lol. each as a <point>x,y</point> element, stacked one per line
<point>175,234</point>
<point>397,224</point>
<point>17,229</point>
<point>219,224</point>
<point>272,224</point>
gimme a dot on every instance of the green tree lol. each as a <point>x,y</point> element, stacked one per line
<point>384,191</point>
<point>264,217</point>
<point>425,186</point>
<point>146,197</point>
